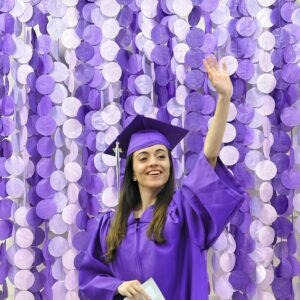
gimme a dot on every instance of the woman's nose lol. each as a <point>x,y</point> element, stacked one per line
<point>153,160</point>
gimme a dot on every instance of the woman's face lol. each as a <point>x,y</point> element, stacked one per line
<point>151,167</point>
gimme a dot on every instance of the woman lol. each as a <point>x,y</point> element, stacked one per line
<point>155,232</point>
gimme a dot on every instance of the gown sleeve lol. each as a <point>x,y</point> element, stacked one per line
<point>96,280</point>
<point>209,199</point>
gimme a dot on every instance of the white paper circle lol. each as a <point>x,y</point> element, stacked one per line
<point>111,114</point>
<point>57,224</point>
<point>109,50</point>
<point>296,202</point>
<point>15,187</point>
<point>21,215</point>
<point>23,280</point>
<point>261,274</point>
<point>227,261</point>
<point>142,105</point>
<point>182,8</point>
<point>149,8</point>
<point>70,39</point>
<point>58,180</point>
<point>73,171</point>
<point>69,213</point>
<point>266,170</point>
<point>58,246</point>
<point>181,28</point>
<point>266,191</point>
<point>143,84</point>
<point>266,40</point>
<point>252,158</point>
<point>112,72</point>
<point>180,51</point>
<point>267,214</point>
<point>110,8</point>
<point>109,197</point>
<point>72,128</point>
<point>266,235</point>
<point>231,63</point>
<point>24,237</point>
<point>24,295</point>
<point>110,28</point>
<point>23,259</point>
<point>229,155</point>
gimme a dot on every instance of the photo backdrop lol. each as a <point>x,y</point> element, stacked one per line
<point>74,73</point>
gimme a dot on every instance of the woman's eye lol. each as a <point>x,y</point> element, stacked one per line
<point>143,158</point>
<point>161,156</point>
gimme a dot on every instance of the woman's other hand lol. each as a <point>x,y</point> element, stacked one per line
<point>219,78</point>
<point>133,290</point>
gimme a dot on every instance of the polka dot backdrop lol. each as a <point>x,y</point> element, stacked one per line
<point>74,73</point>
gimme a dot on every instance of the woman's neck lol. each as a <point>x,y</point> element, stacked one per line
<point>148,198</point>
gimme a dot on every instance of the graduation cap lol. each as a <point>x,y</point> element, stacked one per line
<point>141,133</point>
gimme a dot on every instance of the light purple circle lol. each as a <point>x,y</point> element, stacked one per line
<point>45,84</point>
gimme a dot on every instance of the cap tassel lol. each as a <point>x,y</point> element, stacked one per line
<point>117,154</point>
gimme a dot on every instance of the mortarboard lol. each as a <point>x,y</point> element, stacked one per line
<point>141,133</point>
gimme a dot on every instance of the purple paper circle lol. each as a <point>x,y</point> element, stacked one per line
<point>194,79</point>
<point>195,38</point>
<point>46,146</point>
<point>193,58</point>
<point>46,209</point>
<point>161,55</point>
<point>85,51</point>
<point>43,44</point>
<point>159,34</point>
<point>45,125</point>
<point>92,34</point>
<point>45,84</point>
<point>6,227</point>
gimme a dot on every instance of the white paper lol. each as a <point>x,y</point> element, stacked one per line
<point>152,290</point>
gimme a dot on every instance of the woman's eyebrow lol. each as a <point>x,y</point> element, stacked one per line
<point>146,152</point>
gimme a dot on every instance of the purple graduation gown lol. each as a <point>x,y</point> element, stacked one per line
<point>197,214</point>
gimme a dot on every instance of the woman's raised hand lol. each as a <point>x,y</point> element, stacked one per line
<point>133,290</point>
<point>219,78</point>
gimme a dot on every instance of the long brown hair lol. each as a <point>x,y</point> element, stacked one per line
<point>130,199</point>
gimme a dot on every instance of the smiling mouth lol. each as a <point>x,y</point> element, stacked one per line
<point>154,175</point>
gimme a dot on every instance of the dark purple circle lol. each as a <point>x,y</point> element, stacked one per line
<point>33,219</point>
<point>85,51</point>
<point>280,203</point>
<point>194,79</point>
<point>43,44</point>
<point>194,16</point>
<point>161,55</point>
<point>134,63</point>
<point>193,101</point>
<point>124,37</point>
<point>5,208</point>
<point>125,16</point>
<point>195,37</point>
<point>44,106</point>
<point>282,227</point>
<point>45,64</point>
<point>84,72</point>
<point>159,34</point>
<point>193,58</point>
<point>46,146</point>
<point>245,69</point>
<point>163,75</point>
<point>8,106</point>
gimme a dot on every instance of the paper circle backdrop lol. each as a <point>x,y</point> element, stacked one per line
<point>74,73</point>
